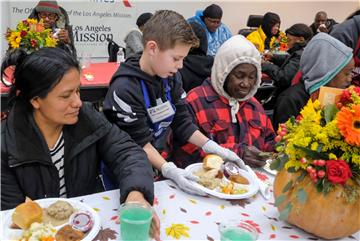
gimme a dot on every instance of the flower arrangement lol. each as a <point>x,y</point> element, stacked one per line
<point>323,143</point>
<point>280,43</point>
<point>31,35</point>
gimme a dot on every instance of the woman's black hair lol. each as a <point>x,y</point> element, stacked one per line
<point>36,74</point>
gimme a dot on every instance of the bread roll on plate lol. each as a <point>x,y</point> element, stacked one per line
<point>212,161</point>
<point>27,213</point>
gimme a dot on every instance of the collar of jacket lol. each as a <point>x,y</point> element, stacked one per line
<point>296,47</point>
<point>262,33</point>
<point>25,144</point>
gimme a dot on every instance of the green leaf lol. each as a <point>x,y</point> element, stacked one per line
<point>301,177</point>
<point>301,195</point>
<point>313,154</point>
<point>279,200</point>
<point>287,186</point>
<point>291,170</point>
<point>284,214</point>
<point>330,112</point>
<point>320,185</point>
<point>278,163</point>
<point>320,147</point>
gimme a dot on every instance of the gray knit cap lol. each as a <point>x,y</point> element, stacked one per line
<point>323,58</point>
<point>48,6</point>
<point>236,50</point>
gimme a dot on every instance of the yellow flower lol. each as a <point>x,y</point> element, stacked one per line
<point>177,230</point>
<point>50,42</point>
<point>332,156</point>
<point>14,40</point>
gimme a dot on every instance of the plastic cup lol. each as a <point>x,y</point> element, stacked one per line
<point>237,230</point>
<point>135,220</point>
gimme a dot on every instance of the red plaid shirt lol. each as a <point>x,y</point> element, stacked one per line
<point>211,113</point>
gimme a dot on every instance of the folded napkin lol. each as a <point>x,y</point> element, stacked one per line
<point>263,187</point>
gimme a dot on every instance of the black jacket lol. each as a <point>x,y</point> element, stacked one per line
<point>284,68</point>
<point>132,116</point>
<point>27,169</point>
<point>289,103</point>
<point>195,70</point>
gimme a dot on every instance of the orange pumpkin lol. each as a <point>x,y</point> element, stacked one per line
<point>328,217</point>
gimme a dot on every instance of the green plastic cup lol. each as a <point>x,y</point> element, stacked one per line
<point>135,221</point>
<point>237,230</point>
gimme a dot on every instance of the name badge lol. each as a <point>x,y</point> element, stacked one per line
<point>160,112</point>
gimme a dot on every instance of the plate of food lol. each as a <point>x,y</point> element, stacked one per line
<point>51,219</point>
<point>267,168</point>
<point>225,181</point>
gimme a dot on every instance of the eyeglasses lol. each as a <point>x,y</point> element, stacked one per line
<point>51,16</point>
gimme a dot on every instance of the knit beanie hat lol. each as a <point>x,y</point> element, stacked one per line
<point>300,30</point>
<point>48,6</point>
<point>323,58</point>
<point>213,11</point>
<point>269,20</point>
<point>236,50</point>
<point>143,18</point>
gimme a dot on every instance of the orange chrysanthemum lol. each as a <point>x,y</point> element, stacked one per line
<point>348,122</point>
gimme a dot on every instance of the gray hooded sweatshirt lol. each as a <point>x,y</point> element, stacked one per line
<point>323,58</point>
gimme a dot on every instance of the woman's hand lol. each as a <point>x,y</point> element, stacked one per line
<point>135,196</point>
<point>254,157</point>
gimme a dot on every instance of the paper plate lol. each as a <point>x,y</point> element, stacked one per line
<point>15,234</point>
<point>253,187</point>
<point>267,168</point>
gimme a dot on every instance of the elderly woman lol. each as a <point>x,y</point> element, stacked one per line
<point>224,107</point>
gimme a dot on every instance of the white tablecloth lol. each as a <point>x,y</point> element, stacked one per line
<point>198,217</point>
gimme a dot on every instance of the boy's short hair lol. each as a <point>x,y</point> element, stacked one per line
<point>168,28</point>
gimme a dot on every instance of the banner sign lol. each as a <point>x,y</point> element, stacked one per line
<point>93,21</point>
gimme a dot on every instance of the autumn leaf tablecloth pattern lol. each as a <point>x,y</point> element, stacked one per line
<point>189,217</point>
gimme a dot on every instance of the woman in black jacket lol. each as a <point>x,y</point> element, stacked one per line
<point>52,143</point>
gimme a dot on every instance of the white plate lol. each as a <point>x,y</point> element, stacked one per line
<point>15,234</point>
<point>267,168</point>
<point>252,189</point>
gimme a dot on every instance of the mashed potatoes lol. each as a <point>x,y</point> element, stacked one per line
<point>38,231</point>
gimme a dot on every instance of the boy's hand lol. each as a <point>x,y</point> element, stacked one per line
<point>182,178</point>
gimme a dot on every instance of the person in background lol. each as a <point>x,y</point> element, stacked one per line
<point>56,18</point>
<point>322,23</point>
<point>52,143</point>
<point>145,97</point>
<point>348,32</point>
<point>325,62</point>
<point>216,31</point>
<point>224,107</point>
<point>282,68</point>
<point>133,39</point>
<point>197,65</point>
<point>264,37</point>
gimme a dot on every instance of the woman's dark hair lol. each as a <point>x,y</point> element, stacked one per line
<point>38,73</point>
